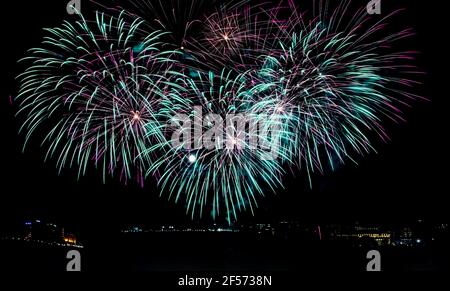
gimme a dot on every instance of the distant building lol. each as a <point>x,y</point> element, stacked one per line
<point>47,233</point>
<point>365,235</point>
<point>40,231</point>
<point>405,237</point>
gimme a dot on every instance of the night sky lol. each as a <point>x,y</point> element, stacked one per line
<point>406,180</point>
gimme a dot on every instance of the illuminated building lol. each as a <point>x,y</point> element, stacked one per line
<point>363,235</point>
<point>382,238</point>
<point>70,239</point>
<point>39,232</point>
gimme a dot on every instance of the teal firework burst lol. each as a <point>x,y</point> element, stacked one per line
<point>90,89</point>
<point>341,80</point>
<point>219,155</point>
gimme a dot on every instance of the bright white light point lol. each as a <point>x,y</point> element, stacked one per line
<point>182,47</point>
<point>280,109</point>
<point>192,159</point>
<point>136,116</point>
<point>226,37</point>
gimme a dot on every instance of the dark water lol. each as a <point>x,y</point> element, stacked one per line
<point>29,257</point>
<point>223,252</point>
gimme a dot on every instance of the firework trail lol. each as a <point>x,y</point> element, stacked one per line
<point>177,17</point>
<point>92,90</point>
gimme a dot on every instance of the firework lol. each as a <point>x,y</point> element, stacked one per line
<point>340,78</point>
<point>232,37</point>
<point>224,156</point>
<point>90,90</point>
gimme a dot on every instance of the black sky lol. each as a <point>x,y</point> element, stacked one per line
<point>407,179</point>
